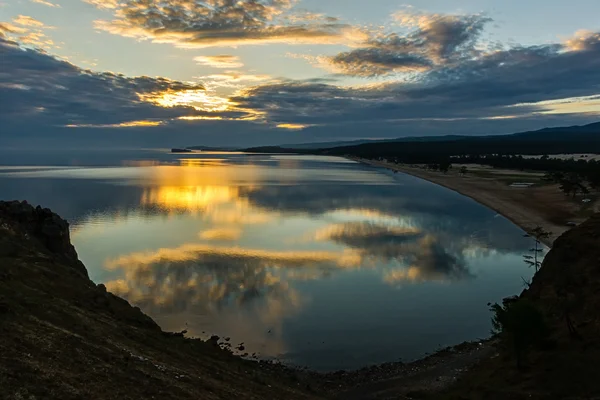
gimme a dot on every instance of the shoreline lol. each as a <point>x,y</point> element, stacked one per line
<point>505,200</point>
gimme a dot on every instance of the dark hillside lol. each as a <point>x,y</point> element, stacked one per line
<point>567,292</point>
<point>422,152</point>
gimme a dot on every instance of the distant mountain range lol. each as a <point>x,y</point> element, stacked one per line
<point>573,139</point>
<point>560,133</point>
<point>329,145</point>
<point>211,148</point>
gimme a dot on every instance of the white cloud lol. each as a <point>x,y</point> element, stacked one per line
<point>46,3</point>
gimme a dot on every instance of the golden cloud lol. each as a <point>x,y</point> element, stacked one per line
<point>25,20</point>
<point>229,234</point>
<point>293,127</point>
<point>46,3</point>
<point>28,31</point>
<point>573,105</point>
<point>223,23</point>
<point>219,61</point>
<point>582,40</point>
<point>197,98</point>
<point>127,124</point>
<point>104,4</point>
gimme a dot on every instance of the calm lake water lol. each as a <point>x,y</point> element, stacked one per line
<point>315,261</point>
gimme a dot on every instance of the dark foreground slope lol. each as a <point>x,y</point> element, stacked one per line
<point>567,365</point>
<point>63,337</point>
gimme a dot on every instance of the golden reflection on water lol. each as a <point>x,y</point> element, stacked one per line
<point>189,198</point>
<point>276,259</point>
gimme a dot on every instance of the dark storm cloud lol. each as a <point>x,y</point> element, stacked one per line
<point>375,61</point>
<point>438,39</point>
<point>35,86</point>
<point>191,23</point>
<point>487,86</point>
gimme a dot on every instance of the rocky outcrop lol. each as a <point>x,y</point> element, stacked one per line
<point>569,280</point>
<point>41,225</point>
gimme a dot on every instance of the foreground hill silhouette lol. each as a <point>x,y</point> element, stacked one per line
<point>567,366</point>
<point>64,337</point>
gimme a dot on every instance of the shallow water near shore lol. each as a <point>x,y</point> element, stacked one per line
<point>315,261</point>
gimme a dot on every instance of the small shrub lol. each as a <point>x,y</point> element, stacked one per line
<point>521,325</point>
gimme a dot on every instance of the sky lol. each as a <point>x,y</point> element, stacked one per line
<point>258,72</point>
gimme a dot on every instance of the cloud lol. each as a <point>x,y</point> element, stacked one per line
<point>455,84</point>
<point>583,40</point>
<point>50,91</point>
<point>236,77</point>
<point>46,3</point>
<point>27,31</point>
<point>192,24</point>
<point>232,80</point>
<point>436,40</point>
<point>25,20</point>
<point>227,234</point>
<point>293,127</point>
<point>127,124</point>
<point>104,4</point>
<point>220,61</point>
<point>482,88</point>
<point>8,29</point>
<point>374,61</point>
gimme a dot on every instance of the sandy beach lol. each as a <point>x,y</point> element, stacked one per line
<point>544,206</point>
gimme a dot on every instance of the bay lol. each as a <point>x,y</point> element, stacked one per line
<point>315,261</point>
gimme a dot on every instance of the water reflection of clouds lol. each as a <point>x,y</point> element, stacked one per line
<point>241,292</point>
<point>418,204</point>
<point>428,260</point>
<point>206,278</point>
<point>415,255</point>
<point>367,235</point>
